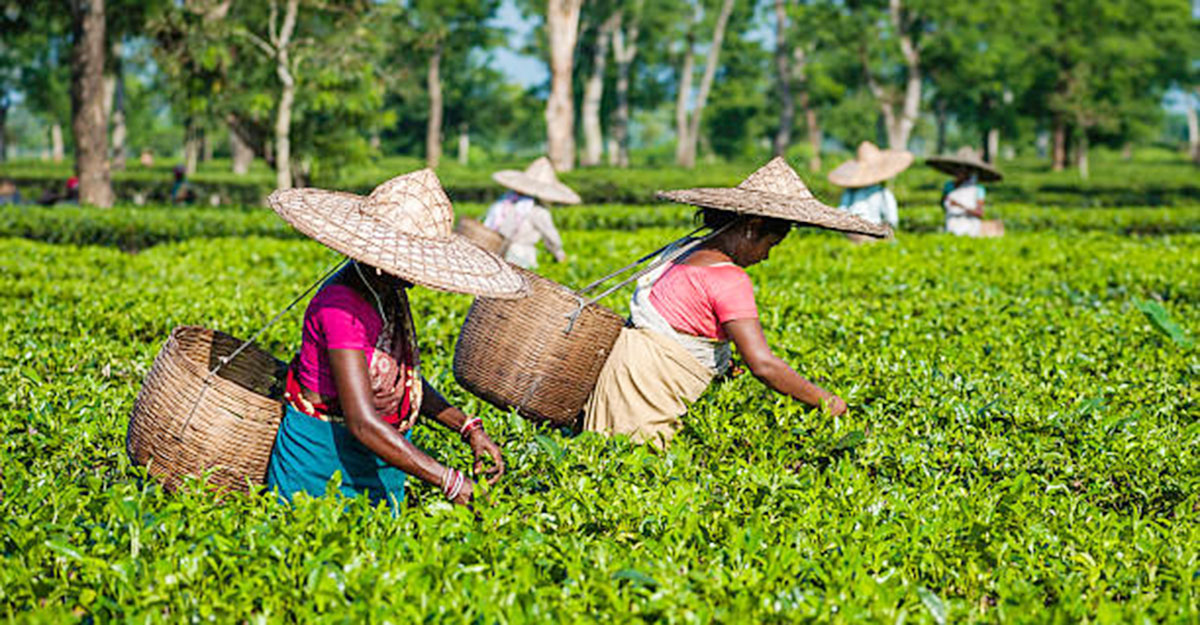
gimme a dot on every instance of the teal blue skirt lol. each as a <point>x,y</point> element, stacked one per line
<point>309,451</point>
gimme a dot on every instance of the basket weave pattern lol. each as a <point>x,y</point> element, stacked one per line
<point>233,425</point>
<point>516,353</point>
<point>480,234</point>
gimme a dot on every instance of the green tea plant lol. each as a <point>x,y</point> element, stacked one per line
<point>1021,447</point>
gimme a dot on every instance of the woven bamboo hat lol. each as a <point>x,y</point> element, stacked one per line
<point>538,180</point>
<point>965,160</point>
<point>404,227</point>
<point>776,190</point>
<point>870,166</point>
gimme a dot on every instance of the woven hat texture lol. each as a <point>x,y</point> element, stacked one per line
<point>538,180</point>
<point>966,160</point>
<point>404,227</point>
<point>870,166</point>
<point>776,190</point>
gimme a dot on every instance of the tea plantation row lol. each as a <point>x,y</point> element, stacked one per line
<point>133,228</point>
<point>1022,447</point>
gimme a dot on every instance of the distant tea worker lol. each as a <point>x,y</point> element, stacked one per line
<point>522,220</point>
<point>864,178</point>
<point>964,197</point>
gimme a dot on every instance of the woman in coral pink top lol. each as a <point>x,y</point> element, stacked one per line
<point>688,312</point>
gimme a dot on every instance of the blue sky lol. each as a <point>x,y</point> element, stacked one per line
<point>523,69</point>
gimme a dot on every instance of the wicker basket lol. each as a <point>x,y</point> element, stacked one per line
<point>517,353</point>
<point>480,234</point>
<point>227,430</point>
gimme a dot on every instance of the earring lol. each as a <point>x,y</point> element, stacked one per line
<point>378,271</point>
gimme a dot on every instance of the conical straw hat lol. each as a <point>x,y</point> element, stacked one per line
<point>404,227</point>
<point>968,160</point>
<point>871,166</point>
<point>538,180</point>
<point>776,190</point>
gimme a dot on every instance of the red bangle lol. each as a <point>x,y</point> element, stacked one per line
<point>469,426</point>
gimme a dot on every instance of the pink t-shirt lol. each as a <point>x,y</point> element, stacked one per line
<point>696,300</point>
<point>336,318</point>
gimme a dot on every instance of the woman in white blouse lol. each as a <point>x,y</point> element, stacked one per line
<point>863,178</point>
<point>524,222</point>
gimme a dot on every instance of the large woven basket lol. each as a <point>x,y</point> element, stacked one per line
<point>179,428</point>
<point>480,234</point>
<point>517,353</point>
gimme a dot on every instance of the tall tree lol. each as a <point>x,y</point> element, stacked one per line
<point>277,46</point>
<point>562,31</point>
<point>688,123</point>
<point>625,49</point>
<point>593,89</point>
<point>899,108</point>
<point>783,72</point>
<point>88,122</point>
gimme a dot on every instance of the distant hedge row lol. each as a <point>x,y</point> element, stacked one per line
<point>134,228</point>
<point>1113,182</point>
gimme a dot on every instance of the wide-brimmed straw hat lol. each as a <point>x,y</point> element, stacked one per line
<point>870,166</point>
<point>965,160</point>
<point>776,190</point>
<point>538,180</point>
<point>404,227</point>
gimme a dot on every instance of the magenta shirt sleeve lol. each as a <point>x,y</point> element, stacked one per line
<point>341,318</point>
<point>732,294</point>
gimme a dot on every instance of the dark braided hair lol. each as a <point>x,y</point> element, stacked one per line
<point>715,218</point>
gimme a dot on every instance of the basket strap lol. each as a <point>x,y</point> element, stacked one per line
<point>689,241</point>
<point>224,360</point>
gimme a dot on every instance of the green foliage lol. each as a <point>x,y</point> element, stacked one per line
<point>1021,447</point>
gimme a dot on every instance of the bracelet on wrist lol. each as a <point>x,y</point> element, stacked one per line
<point>452,483</point>
<point>470,426</point>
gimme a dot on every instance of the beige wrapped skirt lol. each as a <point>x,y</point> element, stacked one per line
<point>646,385</point>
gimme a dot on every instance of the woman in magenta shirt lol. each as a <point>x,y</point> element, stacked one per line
<point>687,314</point>
<point>355,391</point>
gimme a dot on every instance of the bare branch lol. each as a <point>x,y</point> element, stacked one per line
<point>265,47</point>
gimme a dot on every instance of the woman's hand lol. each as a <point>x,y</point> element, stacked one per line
<point>484,449</point>
<point>836,405</point>
<point>466,494</point>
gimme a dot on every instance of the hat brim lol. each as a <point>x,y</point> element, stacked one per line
<point>854,174</point>
<point>954,166</point>
<point>451,264</point>
<point>805,211</point>
<point>523,183</point>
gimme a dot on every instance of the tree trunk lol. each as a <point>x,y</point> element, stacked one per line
<point>593,94</point>
<point>815,137</point>
<point>1058,158</point>
<point>191,148</point>
<point>3,129</point>
<point>118,109</point>
<point>992,143</point>
<point>624,50</point>
<point>1193,124</point>
<point>903,124</point>
<point>1081,156</point>
<point>710,72</point>
<point>57,151</point>
<point>88,121</point>
<point>562,24</point>
<point>464,144</point>
<point>787,104</point>
<point>433,129</point>
<point>240,152</point>
<point>206,147</point>
<point>683,94</point>
<point>280,49</point>
<point>942,119</point>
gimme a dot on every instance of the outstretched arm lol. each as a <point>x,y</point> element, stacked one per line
<point>435,406</point>
<point>747,335</point>
<point>350,375</point>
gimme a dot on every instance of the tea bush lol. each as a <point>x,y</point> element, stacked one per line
<point>1021,447</point>
<point>134,228</point>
